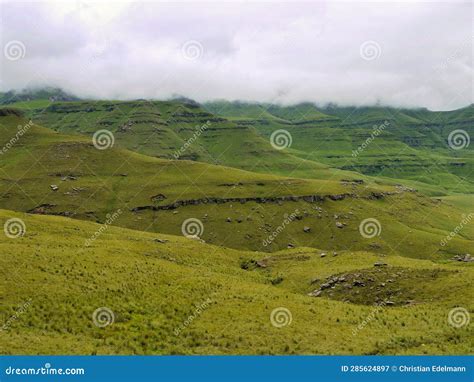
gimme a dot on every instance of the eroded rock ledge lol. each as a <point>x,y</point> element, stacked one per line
<point>269,199</point>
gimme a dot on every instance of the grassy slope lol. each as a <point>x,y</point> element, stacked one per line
<point>160,128</point>
<point>105,181</point>
<point>153,288</point>
<point>412,149</point>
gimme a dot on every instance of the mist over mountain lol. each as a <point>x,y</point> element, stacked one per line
<point>274,53</point>
<point>56,94</point>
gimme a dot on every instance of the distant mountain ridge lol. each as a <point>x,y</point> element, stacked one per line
<point>251,109</point>
<point>47,93</point>
<point>411,146</point>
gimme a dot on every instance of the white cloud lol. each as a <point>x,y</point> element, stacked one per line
<point>280,52</point>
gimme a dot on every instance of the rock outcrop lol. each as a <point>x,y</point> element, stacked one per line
<point>263,200</point>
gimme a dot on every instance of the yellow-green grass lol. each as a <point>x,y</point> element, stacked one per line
<point>105,181</point>
<point>153,288</point>
<point>462,201</point>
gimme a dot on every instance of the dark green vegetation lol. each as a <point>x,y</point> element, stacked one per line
<point>411,146</point>
<point>160,129</point>
<point>276,226</point>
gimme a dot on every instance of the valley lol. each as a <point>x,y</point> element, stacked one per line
<point>183,210</point>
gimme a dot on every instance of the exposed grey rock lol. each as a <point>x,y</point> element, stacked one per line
<point>158,198</point>
<point>465,258</point>
<point>272,199</point>
<point>307,229</point>
<point>44,208</point>
<point>68,177</point>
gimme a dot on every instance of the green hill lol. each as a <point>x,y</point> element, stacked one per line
<point>332,142</point>
<point>406,146</point>
<point>45,172</point>
<point>177,130</point>
<point>410,147</point>
<point>284,114</point>
<point>133,292</point>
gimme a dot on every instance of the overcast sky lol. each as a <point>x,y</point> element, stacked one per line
<point>400,54</point>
